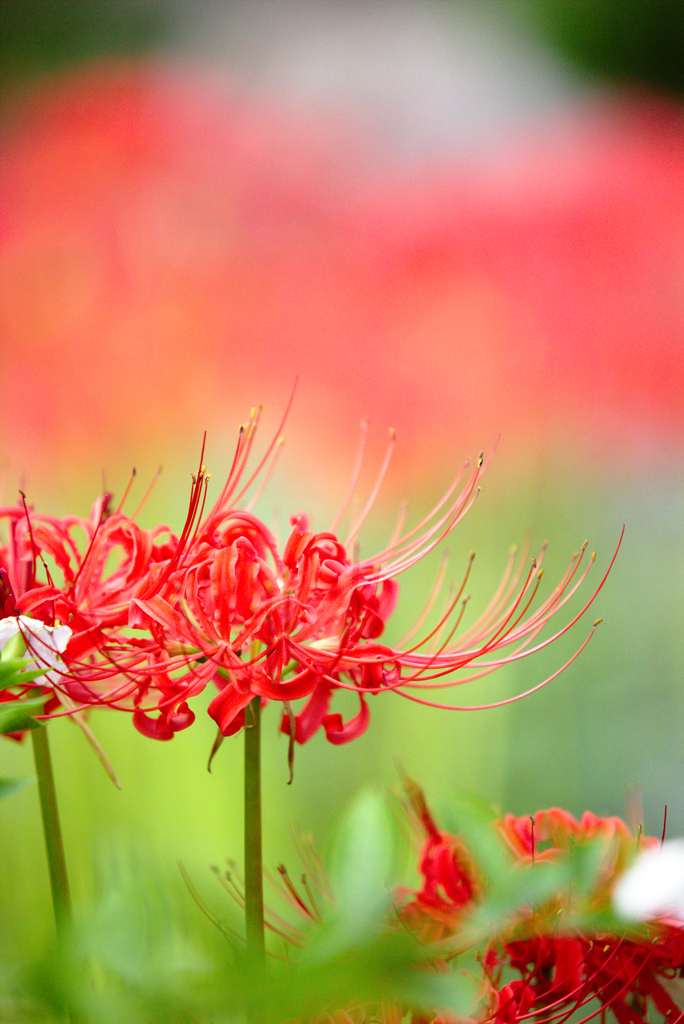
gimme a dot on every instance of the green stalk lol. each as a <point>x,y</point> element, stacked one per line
<point>254,890</point>
<point>54,848</point>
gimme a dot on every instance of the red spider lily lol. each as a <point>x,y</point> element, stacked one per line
<point>76,571</point>
<point>557,971</point>
<point>225,605</point>
<point>549,835</point>
<point>539,967</point>
<point>628,977</point>
<point>90,591</point>
<point>451,879</point>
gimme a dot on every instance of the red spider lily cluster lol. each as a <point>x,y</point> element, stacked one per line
<point>544,966</point>
<point>156,616</point>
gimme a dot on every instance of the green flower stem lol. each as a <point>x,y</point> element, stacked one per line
<point>254,891</point>
<point>52,832</point>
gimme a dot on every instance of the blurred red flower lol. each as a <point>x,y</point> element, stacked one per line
<point>215,243</point>
<point>545,964</point>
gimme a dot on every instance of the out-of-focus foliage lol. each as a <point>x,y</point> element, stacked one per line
<point>140,956</point>
<point>9,786</point>
<point>366,954</point>
<point>631,42</point>
<point>39,36</point>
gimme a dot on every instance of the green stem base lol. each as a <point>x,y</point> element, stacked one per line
<point>254,889</point>
<point>54,847</point>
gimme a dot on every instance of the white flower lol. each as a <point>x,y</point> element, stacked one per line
<point>654,885</point>
<point>44,644</point>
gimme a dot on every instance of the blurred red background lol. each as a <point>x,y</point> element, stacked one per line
<point>173,251</point>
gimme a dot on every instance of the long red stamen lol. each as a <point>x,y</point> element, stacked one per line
<point>146,495</point>
<point>374,492</point>
<point>34,548</point>
<point>510,700</point>
<point>430,603</point>
<point>267,454</point>
<point>125,493</point>
<point>354,477</point>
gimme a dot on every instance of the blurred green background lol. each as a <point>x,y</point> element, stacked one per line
<point>464,219</point>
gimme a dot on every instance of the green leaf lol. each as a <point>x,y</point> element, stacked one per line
<point>571,879</point>
<point>362,865</point>
<point>16,673</point>
<point>585,862</point>
<point>388,966</point>
<point>363,856</point>
<point>471,819</point>
<point>15,716</point>
<point>8,666</point>
<point>9,786</point>
<point>14,648</point>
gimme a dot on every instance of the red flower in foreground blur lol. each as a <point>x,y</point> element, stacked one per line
<point>548,961</point>
<point>221,602</point>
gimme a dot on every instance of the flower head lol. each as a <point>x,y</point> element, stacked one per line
<point>547,961</point>
<point>157,615</point>
<point>231,606</point>
<point>79,571</point>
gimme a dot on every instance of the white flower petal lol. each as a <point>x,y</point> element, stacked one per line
<point>654,885</point>
<point>44,643</point>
